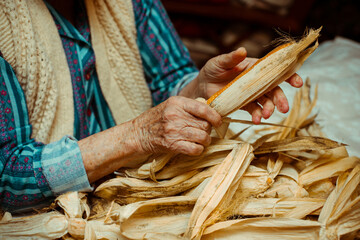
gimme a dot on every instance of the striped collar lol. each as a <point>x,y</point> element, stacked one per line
<point>81,30</point>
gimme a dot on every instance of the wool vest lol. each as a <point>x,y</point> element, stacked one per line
<point>30,42</point>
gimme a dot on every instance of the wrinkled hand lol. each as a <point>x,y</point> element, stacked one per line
<point>178,125</point>
<point>220,70</point>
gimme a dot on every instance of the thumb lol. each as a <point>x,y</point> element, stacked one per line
<point>230,60</point>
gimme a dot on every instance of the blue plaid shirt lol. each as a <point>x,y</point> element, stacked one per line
<point>33,173</point>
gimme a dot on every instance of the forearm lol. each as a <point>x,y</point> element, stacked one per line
<point>107,151</point>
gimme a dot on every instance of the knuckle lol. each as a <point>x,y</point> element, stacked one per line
<point>172,99</point>
<point>202,110</point>
<point>204,138</point>
<point>196,149</point>
<point>168,144</point>
<point>170,114</point>
<point>168,128</point>
<point>206,125</point>
<point>175,100</point>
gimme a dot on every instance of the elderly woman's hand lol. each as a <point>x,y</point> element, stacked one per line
<point>178,125</point>
<point>222,69</point>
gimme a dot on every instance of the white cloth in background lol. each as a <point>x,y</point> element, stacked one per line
<point>335,67</point>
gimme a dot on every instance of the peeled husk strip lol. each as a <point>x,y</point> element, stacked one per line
<point>148,169</point>
<point>162,236</point>
<point>232,168</point>
<point>327,156</point>
<point>179,167</point>
<point>279,207</point>
<point>135,188</point>
<point>331,169</point>
<point>297,143</point>
<point>264,228</point>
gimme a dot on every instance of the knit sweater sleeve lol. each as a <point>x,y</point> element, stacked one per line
<point>32,173</point>
<point>167,63</point>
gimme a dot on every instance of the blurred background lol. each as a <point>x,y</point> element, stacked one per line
<point>212,27</point>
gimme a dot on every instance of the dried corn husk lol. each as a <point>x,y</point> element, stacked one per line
<point>100,208</point>
<point>75,208</point>
<point>280,207</point>
<point>177,167</point>
<point>325,157</point>
<point>6,217</point>
<point>182,163</point>
<point>285,187</point>
<point>74,204</point>
<point>196,191</point>
<point>341,212</point>
<point>331,169</point>
<point>264,228</point>
<point>98,229</point>
<point>221,186</point>
<point>297,143</point>
<point>321,189</point>
<point>49,225</point>
<point>143,189</point>
<point>289,171</point>
<point>148,169</point>
<point>163,215</point>
<point>297,174</point>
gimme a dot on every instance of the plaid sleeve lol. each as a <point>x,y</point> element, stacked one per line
<point>25,182</point>
<point>63,166</point>
<point>165,59</point>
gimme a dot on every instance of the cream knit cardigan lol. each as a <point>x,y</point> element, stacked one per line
<point>30,42</point>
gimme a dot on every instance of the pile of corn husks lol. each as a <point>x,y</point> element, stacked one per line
<point>291,183</point>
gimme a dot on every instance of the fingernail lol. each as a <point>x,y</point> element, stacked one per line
<point>256,119</point>
<point>284,108</point>
<point>266,114</point>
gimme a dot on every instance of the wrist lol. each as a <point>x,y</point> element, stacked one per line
<point>136,136</point>
<point>195,89</point>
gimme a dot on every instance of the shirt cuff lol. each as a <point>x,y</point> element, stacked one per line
<point>63,166</point>
<point>185,80</point>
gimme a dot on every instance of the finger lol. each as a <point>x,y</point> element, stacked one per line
<point>200,124</point>
<point>247,63</point>
<point>268,106</point>
<point>255,110</point>
<point>195,135</point>
<point>202,111</point>
<point>279,99</point>
<point>188,148</point>
<point>295,81</point>
<point>230,60</point>
<point>242,66</point>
